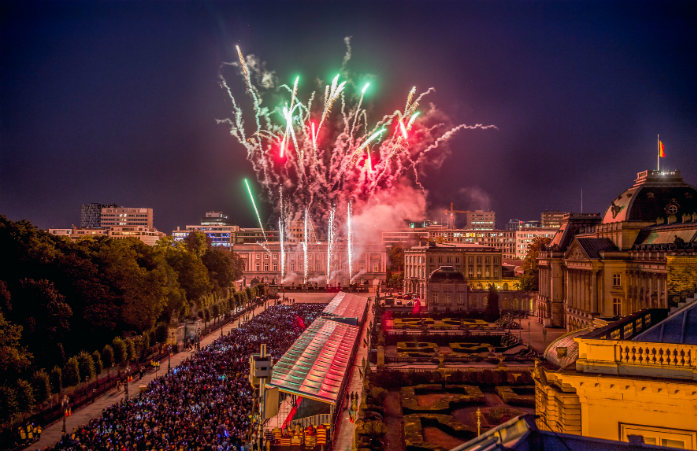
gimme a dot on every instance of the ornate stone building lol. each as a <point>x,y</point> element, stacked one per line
<point>447,291</point>
<point>479,264</point>
<point>632,380</point>
<point>601,268</point>
<point>268,264</point>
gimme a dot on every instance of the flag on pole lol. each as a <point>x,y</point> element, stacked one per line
<point>661,152</point>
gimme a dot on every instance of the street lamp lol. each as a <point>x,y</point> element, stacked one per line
<point>64,406</point>
<point>128,372</point>
<point>169,358</point>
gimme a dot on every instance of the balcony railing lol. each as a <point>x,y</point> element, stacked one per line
<point>656,354</point>
<point>637,358</point>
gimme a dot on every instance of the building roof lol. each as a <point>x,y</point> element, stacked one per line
<point>593,246</point>
<point>655,194</point>
<point>453,246</point>
<point>563,351</point>
<point>317,363</point>
<point>667,234</point>
<point>521,433</point>
<point>571,226</point>
<point>446,274</point>
<point>346,307</point>
<point>680,327</point>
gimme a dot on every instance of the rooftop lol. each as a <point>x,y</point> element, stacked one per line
<point>655,194</point>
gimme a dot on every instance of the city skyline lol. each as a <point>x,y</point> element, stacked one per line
<point>118,102</point>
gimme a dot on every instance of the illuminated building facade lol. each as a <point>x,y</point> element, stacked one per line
<point>480,265</point>
<point>147,235</point>
<point>91,215</point>
<point>480,220</point>
<point>633,380</point>
<point>263,263</point>
<point>447,291</point>
<point>126,216</point>
<point>552,218</point>
<point>74,233</point>
<point>613,266</point>
<point>524,238</point>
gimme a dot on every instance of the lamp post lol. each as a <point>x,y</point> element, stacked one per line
<point>479,422</point>
<point>64,406</point>
<point>128,372</point>
<point>169,358</point>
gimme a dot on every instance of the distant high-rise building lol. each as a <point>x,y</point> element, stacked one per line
<point>215,218</point>
<point>525,236</point>
<point>518,224</point>
<point>215,225</point>
<point>552,218</point>
<point>91,215</point>
<point>126,216</point>
<point>480,220</point>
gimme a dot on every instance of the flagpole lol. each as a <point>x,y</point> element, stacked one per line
<point>658,155</point>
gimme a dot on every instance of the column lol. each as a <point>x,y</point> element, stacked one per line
<point>594,292</point>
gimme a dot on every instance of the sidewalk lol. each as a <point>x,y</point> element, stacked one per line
<point>53,432</point>
<point>344,432</point>
<point>535,335</point>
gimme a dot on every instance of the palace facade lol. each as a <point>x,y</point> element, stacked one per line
<point>634,380</point>
<point>599,268</point>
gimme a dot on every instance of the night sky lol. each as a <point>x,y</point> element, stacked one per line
<point>118,101</point>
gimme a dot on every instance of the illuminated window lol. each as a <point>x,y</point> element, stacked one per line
<point>616,280</point>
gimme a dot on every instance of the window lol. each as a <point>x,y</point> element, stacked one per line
<point>616,307</point>
<point>616,279</point>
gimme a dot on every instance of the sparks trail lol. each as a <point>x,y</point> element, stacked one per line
<point>324,151</point>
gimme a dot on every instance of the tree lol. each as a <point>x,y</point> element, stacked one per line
<point>14,358</point>
<point>108,357</point>
<point>130,349</point>
<point>191,272</point>
<point>530,279</point>
<point>8,403</point>
<point>56,378</point>
<point>224,267</point>
<point>85,365</point>
<point>395,267</point>
<point>25,396</point>
<point>161,333</point>
<point>41,385</point>
<point>71,372</point>
<point>45,316</point>
<point>120,351</point>
<point>197,243</point>
<point>492,313</point>
<point>97,359</point>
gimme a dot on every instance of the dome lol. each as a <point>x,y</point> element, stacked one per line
<point>655,194</point>
<point>446,274</point>
<point>563,351</point>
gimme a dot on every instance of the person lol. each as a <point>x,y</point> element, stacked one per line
<point>209,389</point>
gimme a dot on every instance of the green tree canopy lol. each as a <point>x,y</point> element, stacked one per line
<point>530,279</point>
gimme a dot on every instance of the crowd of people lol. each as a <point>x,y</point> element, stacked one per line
<point>206,403</point>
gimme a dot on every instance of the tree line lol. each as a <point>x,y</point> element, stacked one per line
<point>70,309</point>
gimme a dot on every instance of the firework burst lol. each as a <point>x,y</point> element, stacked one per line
<point>323,151</point>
